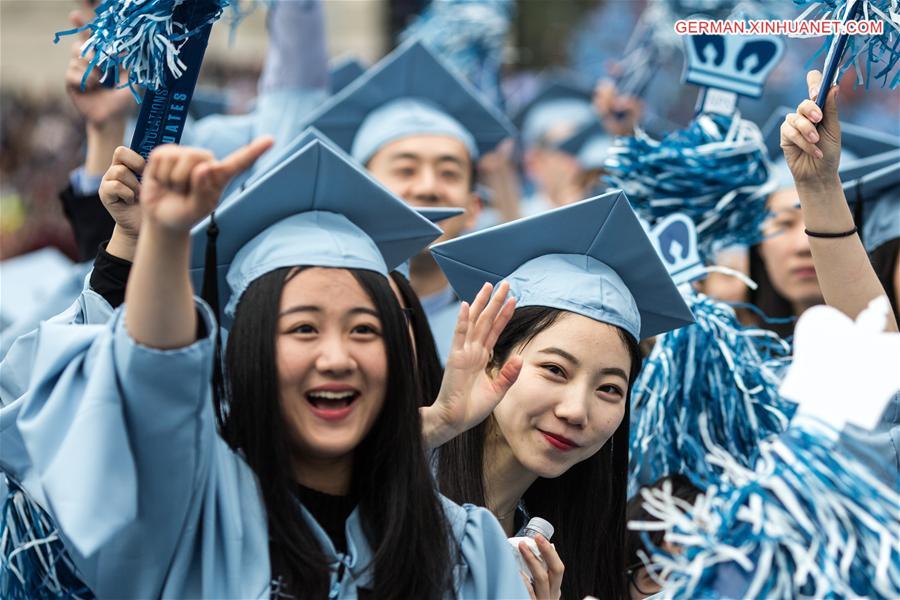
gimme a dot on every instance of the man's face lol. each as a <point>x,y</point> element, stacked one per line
<point>430,171</point>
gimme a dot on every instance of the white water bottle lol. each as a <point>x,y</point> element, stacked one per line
<point>535,526</point>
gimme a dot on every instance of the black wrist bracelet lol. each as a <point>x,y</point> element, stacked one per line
<point>818,234</point>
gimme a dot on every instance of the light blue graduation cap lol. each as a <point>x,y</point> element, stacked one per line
<point>314,208</point>
<point>410,92</point>
<point>435,214</point>
<point>592,258</point>
<point>561,99</point>
<point>342,72</point>
<point>589,145</point>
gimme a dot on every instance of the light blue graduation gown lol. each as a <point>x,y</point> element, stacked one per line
<point>118,443</point>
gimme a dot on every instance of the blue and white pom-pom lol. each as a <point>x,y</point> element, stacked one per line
<point>712,385</point>
<point>33,561</point>
<point>471,35</point>
<point>803,522</point>
<point>143,38</point>
<point>715,172</point>
<point>871,56</point>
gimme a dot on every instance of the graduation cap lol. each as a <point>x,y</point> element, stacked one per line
<point>435,214</point>
<point>560,100</point>
<point>410,92</point>
<point>589,145</point>
<point>314,208</point>
<point>592,258</point>
<point>875,199</point>
<point>343,72</point>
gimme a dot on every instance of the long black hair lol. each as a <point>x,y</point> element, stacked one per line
<point>586,504</point>
<point>884,260</point>
<point>399,507</point>
<point>429,371</point>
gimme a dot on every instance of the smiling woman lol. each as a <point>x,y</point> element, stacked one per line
<point>315,483</point>
<point>556,445</point>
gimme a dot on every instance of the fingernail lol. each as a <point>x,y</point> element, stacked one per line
<point>817,115</point>
<point>819,153</point>
<point>812,136</point>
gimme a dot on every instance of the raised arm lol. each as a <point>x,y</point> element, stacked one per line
<point>180,187</point>
<point>845,274</point>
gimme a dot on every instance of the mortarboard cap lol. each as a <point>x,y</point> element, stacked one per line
<point>879,192</point>
<point>434,214</point>
<point>410,92</point>
<point>343,72</point>
<point>314,208</point>
<point>562,100</point>
<point>863,166</point>
<point>593,258</point>
<point>589,145</point>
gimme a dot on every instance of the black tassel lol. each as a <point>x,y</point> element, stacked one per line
<point>210,295</point>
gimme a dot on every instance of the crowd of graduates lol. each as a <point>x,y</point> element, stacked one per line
<point>364,338</point>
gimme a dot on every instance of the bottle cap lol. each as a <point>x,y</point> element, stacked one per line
<point>538,525</point>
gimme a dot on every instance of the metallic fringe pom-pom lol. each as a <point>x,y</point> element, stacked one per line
<point>715,172</point>
<point>471,35</point>
<point>33,561</point>
<point>802,522</point>
<point>709,386</point>
<point>143,38</point>
<point>875,56</point>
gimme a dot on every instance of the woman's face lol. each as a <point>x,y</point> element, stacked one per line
<point>332,362</point>
<point>570,396</point>
<point>785,251</point>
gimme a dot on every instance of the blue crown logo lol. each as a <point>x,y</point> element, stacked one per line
<point>675,238</point>
<point>738,64</point>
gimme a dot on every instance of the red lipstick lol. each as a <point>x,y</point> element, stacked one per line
<point>559,442</point>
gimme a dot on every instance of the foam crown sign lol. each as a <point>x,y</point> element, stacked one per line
<point>675,238</point>
<point>738,64</point>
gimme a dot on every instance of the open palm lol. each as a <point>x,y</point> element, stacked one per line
<point>468,394</point>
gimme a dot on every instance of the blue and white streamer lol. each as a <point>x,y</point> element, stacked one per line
<point>33,560</point>
<point>803,521</point>
<point>715,172</point>
<point>710,386</point>
<point>471,35</point>
<point>141,38</point>
<point>872,56</point>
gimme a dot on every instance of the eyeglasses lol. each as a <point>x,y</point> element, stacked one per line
<point>640,580</point>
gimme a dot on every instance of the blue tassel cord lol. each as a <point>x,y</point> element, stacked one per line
<point>803,522</point>
<point>709,386</point>
<point>715,172</point>
<point>142,39</point>
<point>871,56</point>
<point>471,35</point>
<point>33,561</point>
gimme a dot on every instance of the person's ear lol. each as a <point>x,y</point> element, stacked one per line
<point>474,205</point>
